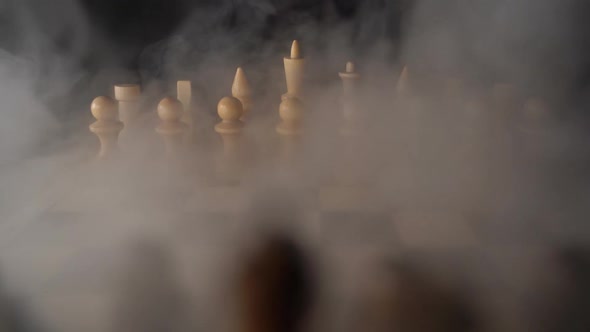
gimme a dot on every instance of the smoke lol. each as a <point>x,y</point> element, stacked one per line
<point>480,187</point>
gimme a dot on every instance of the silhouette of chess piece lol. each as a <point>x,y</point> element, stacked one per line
<point>274,288</point>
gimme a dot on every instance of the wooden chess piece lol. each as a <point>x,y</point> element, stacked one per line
<point>107,126</point>
<point>184,95</point>
<point>347,169</point>
<point>350,114</point>
<point>294,68</point>
<point>171,128</point>
<point>291,113</point>
<point>128,97</point>
<point>275,287</point>
<point>230,110</point>
<point>241,89</point>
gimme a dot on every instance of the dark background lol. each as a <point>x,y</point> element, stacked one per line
<point>130,36</point>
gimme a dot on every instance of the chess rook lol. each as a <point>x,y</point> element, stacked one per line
<point>107,126</point>
<point>171,128</point>
<point>230,110</point>
<point>349,100</point>
<point>128,97</point>
<point>241,90</point>
<point>294,67</point>
<point>184,95</point>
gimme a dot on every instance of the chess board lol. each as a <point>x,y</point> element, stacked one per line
<point>200,189</point>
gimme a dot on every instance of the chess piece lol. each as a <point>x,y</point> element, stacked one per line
<point>403,83</point>
<point>128,97</point>
<point>107,126</point>
<point>171,128</point>
<point>291,113</point>
<point>294,66</point>
<point>230,110</point>
<point>184,95</point>
<point>275,287</point>
<point>241,89</point>
<point>349,79</point>
<point>345,172</point>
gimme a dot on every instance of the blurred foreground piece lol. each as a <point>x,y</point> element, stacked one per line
<point>274,288</point>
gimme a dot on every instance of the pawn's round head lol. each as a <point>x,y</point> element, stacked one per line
<point>104,109</point>
<point>170,109</point>
<point>291,109</point>
<point>230,109</point>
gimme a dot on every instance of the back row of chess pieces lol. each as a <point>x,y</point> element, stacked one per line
<point>176,118</point>
<point>175,113</point>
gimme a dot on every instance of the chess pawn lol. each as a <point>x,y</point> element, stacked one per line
<point>171,128</point>
<point>349,79</point>
<point>128,97</point>
<point>294,66</point>
<point>230,110</point>
<point>241,89</point>
<point>291,113</point>
<point>107,126</point>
